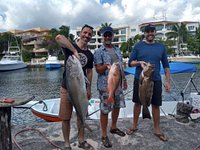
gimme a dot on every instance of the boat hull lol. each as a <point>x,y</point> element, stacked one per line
<point>49,109</point>
<point>10,67</point>
<point>52,66</point>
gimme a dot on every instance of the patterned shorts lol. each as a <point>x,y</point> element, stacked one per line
<point>119,101</point>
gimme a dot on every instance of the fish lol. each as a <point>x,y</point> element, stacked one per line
<point>146,89</point>
<point>114,81</point>
<point>76,86</point>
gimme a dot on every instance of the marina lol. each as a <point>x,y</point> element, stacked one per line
<point>45,84</point>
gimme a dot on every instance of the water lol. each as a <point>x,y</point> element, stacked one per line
<point>45,84</point>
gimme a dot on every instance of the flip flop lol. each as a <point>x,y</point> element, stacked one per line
<point>161,136</point>
<point>131,131</point>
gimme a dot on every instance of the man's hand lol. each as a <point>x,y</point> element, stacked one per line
<point>167,86</point>
<point>142,64</point>
<point>76,55</point>
<point>125,85</point>
<point>89,93</point>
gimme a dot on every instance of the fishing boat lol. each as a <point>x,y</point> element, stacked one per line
<point>48,109</point>
<point>12,60</point>
<point>52,62</point>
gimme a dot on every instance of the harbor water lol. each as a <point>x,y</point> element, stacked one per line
<point>45,84</point>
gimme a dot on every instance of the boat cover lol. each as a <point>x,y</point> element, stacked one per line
<point>175,67</point>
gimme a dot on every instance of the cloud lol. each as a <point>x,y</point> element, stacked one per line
<point>23,14</point>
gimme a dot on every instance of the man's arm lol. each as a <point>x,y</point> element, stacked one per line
<point>64,42</point>
<point>167,79</point>
<point>137,63</point>
<point>101,68</point>
<point>89,77</point>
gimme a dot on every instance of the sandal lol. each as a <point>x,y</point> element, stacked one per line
<point>117,131</point>
<point>106,142</point>
<point>85,145</point>
<point>67,148</point>
<point>131,131</point>
<point>161,136</point>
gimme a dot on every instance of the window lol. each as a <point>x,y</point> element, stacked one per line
<point>133,30</point>
<point>116,39</point>
<point>123,31</point>
<point>123,38</point>
<point>190,28</point>
<point>93,40</point>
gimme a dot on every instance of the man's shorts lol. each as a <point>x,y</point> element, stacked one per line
<point>66,107</point>
<point>119,101</point>
<point>157,92</point>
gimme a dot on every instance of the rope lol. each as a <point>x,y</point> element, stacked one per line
<point>198,146</point>
<point>33,129</point>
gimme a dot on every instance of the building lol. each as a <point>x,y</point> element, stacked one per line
<point>164,27</point>
<point>33,38</point>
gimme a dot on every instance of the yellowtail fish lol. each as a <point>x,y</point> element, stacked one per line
<point>76,86</point>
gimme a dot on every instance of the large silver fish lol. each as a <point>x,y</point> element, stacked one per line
<point>76,86</point>
<point>146,89</point>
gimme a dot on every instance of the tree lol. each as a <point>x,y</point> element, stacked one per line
<point>103,25</point>
<point>180,33</point>
<point>50,43</point>
<point>193,41</point>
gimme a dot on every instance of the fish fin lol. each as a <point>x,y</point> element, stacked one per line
<point>146,113</point>
<point>110,100</point>
<point>86,80</point>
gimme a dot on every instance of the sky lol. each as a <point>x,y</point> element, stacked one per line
<point>27,14</point>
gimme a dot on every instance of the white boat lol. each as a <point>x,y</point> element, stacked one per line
<point>52,62</point>
<point>48,109</point>
<point>12,60</point>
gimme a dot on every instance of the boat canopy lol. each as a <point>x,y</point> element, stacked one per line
<point>175,67</point>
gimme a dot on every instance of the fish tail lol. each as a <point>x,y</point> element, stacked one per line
<point>146,113</point>
<point>110,100</point>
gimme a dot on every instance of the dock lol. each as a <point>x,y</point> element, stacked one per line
<point>181,136</point>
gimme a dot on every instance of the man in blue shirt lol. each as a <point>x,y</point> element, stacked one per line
<point>153,52</point>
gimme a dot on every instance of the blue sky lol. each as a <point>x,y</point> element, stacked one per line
<point>19,14</point>
<point>107,1</point>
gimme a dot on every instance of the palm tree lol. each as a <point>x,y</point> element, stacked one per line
<point>179,32</point>
<point>103,25</point>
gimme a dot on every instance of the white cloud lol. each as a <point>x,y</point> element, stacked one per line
<point>23,14</point>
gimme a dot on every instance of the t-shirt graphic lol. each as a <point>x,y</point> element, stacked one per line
<point>83,59</point>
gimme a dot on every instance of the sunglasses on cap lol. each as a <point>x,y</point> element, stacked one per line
<point>87,26</point>
<point>108,34</point>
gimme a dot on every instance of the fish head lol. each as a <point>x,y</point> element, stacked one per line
<point>73,66</point>
<point>148,69</point>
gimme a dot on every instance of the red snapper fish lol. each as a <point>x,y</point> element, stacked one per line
<point>146,89</point>
<point>114,80</point>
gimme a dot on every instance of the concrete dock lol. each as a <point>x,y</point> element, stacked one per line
<point>181,136</point>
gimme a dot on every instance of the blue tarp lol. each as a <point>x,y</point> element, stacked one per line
<point>175,67</point>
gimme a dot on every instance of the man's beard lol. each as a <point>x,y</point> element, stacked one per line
<point>150,39</point>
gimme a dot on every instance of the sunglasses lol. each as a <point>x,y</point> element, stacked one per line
<point>87,26</point>
<point>150,31</point>
<point>108,34</point>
